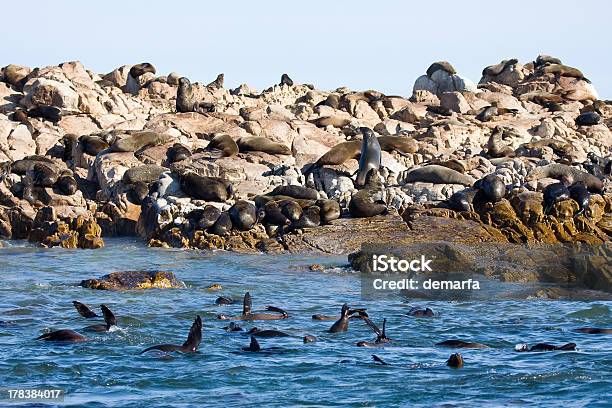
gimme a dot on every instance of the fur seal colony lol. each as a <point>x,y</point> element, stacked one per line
<point>217,168</point>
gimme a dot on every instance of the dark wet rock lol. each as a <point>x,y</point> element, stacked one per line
<point>134,280</point>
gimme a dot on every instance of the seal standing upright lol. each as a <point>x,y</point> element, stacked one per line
<point>370,155</point>
<point>185,97</point>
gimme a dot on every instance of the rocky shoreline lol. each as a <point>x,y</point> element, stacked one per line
<point>522,157</point>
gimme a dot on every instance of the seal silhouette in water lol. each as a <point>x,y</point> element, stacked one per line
<point>461,344</point>
<point>455,360</point>
<point>342,324</point>
<point>109,319</point>
<point>545,347</point>
<point>266,333</point>
<point>189,346</point>
<point>417,312</point>
<point>63,335</point>
<point>248,315</point>
<point>253,346</point>
<point>84,310</point>
<point>381,336</point>
<point>593,330</point>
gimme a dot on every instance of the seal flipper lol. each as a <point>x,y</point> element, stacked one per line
<point>374,327</point>
<point>253,346</point>
<point>379,360</point>
<point>109,317</point>
<point>195,336</point>
<point>567,347</point>
<point>247,304</point>
<point>84,310</point>
<point>278,310</point>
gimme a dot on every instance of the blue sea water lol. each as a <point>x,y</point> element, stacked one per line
<point>37,287</point>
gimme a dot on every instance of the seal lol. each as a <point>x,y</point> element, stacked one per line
<point>243,215</point>
<point>84,310</point>
<point>438,175</point>
<point>311,218</point>
<point>285,80</point>
<point>593,330</point>
<point>400,144</point>
<point>189,346</point>
<point>271,214</point>
<point>441,65</point>
<point>418,312</point>
<point>291,209</point>
<point>568,174</point>
<point>232,327</point>
<point>185,97</point>
<point>248,315</point>
<point>109,319</point>
<point>330,210</point>
<point>43,175</point>
<point>562,70</point>
<point>342,324</point>
<point>177,152</point>
<point>309,339</point>
<point>370,157</point>
<point>545,347</point>
<point>335,121</point>
<point>455,360</point>
<point>492,186</point>
<point>146,173</point>
<point>496,147</point>
<point>545,59</point>
<point>224,300</point>
<point>224,144</point>
<point>217,83</point>
<point>205,188</point>
<point>262,144</point>
<point>463,200</point>
<point>339,154</point>
<point>207,217</point>
<point>487,113</point>
<point>137,192</point>
<point>63,335</point>
<point>554,193</point>
<point>580,194</point>
<point>138,140</point>
<point>266,333</point>
<point>588,119</point>
<point>461,344</point>
<point>253,346</point>
<point>494,70</point>
<point>381,336</point>
<point>92,144</point>
<point>141,69</point>
<point>223,226</point>
<point>50,113</point>
<point>66,183</point>
<point>295,191</point>
<point>368,201</point>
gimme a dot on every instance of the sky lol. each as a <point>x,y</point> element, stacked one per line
<point>378,44</point>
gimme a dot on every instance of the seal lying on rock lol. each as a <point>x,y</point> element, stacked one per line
<point>492,187</point>
<point>463,200</point>
<point>368,201</point>
<point>330,210</point>
<point>400,144</point>
<point>262,144</point>
<point>139,140</point>
<point>243,215</point>
<point>94,144</point>
<point>206,188</point>
<point>224,144</point>
<point>567,174</point>
<point>177,152</point>
<point>588,119</point>
<point>494,70</point>
<point>189,346</point>
<point>295,191</point>
<point>580,194</point>
<point>437,175</point>
<point>554,193</point>
<point>310,218</point>
<point>223,226</point>
<point>441,65</point>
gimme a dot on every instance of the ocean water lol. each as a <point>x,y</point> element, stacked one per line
<point>37,287</point>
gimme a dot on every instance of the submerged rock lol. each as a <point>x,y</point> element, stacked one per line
<point>134,280</point>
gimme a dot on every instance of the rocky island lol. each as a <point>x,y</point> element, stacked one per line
<point>521,157</point>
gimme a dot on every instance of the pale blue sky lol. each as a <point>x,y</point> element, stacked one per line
<point>383,45</point>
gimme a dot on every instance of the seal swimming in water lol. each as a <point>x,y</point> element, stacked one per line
<point>262,144</point>
<point>580,194</point>
<point>461,344</point>
<point>243,215</point>
<point>545,347</point>
<point>381,336</point>
<point>224,144</point>
<point>253,346</point>
<point>438,175</point>
<point>205,188</point>
<point>455,360</point>
<point>63,335</point>
<point>248,315</point>
<point>566,173</point>
<point>189,346</point>
<point>224,300</point>
<point>418,312</point>
<point>84,310</point>
<point>554,193</point>
<point>341,325</point>
<point>593,330</point>
<point>368,201</point>
<point>266,333</point>
<point>109,319</point>
<point>370,156</point>
<point>309,339</point>
<point>232,327</point>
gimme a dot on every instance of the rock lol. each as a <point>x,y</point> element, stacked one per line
<point>134,280</point>
<point>454,101</point>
